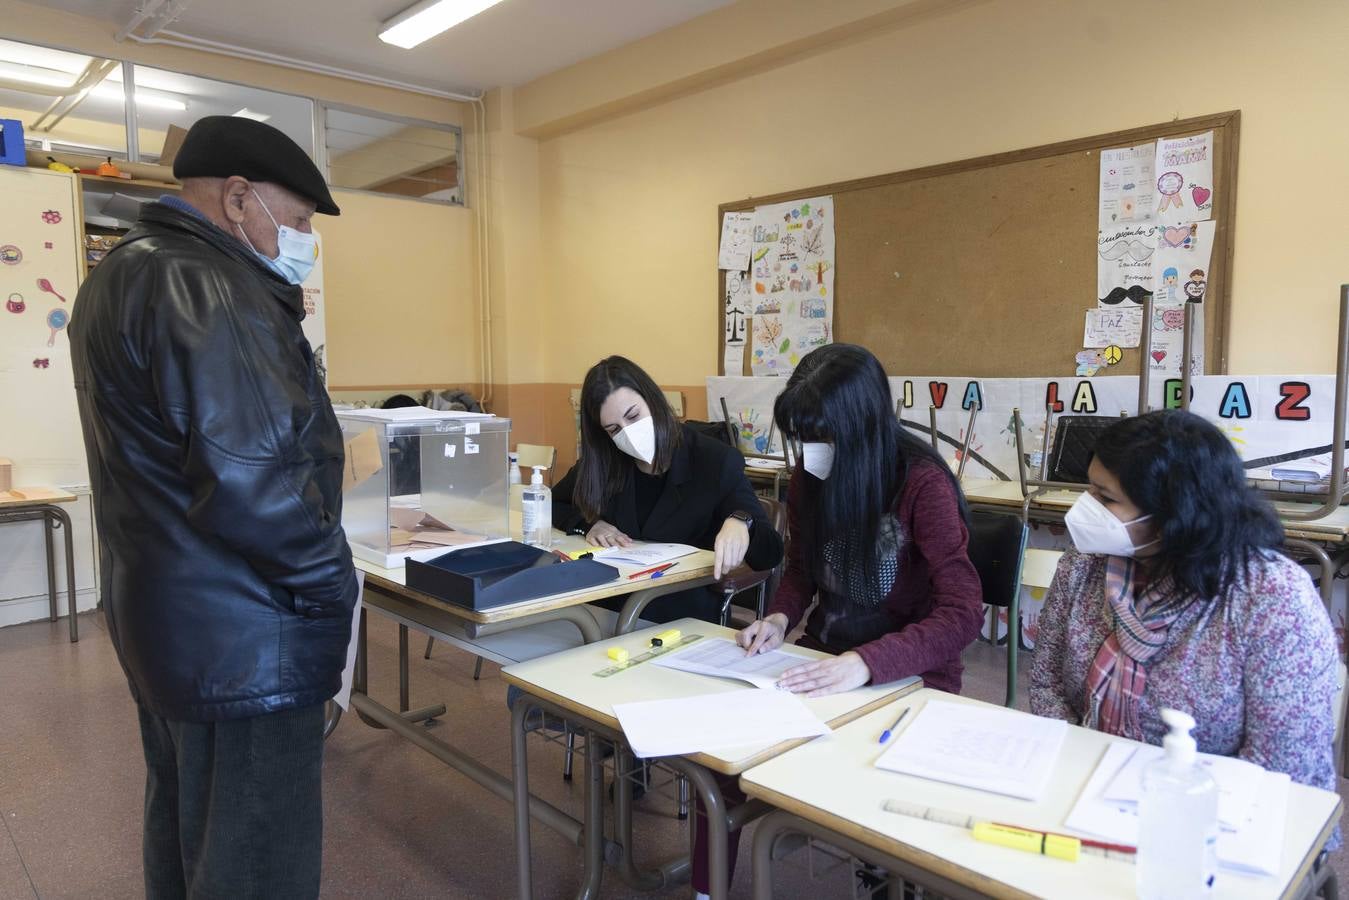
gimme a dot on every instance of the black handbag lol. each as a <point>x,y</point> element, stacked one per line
<point>1074,442</point>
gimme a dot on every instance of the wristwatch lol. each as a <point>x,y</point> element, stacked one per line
<point>744,517</point>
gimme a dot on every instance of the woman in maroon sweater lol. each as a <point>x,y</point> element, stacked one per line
<point>878,531</point>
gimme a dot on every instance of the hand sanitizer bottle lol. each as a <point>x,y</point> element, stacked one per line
<point>1177,820</point>
<point>537,503</point>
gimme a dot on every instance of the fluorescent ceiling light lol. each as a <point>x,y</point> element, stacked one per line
<point>247,113</point>
<point>426,19</point>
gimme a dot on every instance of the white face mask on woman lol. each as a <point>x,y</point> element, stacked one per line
<point>818,458</point>
<point>638,440</point>
<point>1095,529</point>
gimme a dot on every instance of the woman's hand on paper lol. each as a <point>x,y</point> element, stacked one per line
<point>602,534</point>
<point>766,634</point>
<point>827,676</point>
<point>730,548</point>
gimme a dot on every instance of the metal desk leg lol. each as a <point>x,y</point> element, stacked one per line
<point>520,779</point>
<point>64,518</point>
<point>594,823</point>
<point>705,787</point>
<point>402,668</point>
<point>47,526</point>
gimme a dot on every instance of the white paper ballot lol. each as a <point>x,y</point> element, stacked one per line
<point>343,696</point>
<point>645,554</point>
<point>712,721</point>
<point>724,658</point>
<point>1239,783</point>
<point>1254,847</point>
<point>996,750</point>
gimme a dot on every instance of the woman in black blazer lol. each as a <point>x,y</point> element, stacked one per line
<point>643,476</point>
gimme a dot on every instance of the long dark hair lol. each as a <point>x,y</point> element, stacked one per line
<point>603,470</point>
<point>839,394</point>
<point>1181,470</point>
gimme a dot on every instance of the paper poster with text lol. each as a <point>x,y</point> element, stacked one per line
<point>1124,265</point>
<point>1184,169</point>
<point>1127,185</point>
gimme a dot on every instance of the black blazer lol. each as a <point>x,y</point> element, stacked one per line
<point>705,484</point>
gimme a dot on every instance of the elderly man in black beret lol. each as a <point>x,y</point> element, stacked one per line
<point>216,465</point>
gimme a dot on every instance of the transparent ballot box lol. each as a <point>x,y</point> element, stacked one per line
<point>420,482</point>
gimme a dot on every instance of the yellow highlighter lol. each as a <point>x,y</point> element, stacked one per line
<point>1059,846</point>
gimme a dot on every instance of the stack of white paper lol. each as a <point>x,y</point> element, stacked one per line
<point>724,658</point>
<point>712,721</point>
<point>996,750</point>
<point>645,553</point>
<point>1252,806</point>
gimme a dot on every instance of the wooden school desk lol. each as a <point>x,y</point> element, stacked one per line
<point>565,685</point>
<point>29,504</point>
<point>831,789</point>
<point>503,634</point>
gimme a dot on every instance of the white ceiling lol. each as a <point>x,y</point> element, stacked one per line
<point>509,44</point>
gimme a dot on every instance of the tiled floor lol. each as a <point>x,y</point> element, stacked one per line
<point>398,823</point>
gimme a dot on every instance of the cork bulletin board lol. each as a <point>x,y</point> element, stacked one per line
<point>984,267</point>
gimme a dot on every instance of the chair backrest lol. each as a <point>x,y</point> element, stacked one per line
<point>1039,566</point>
<point>777,517</point>
<point>676,401</point>
<point>531,455</point>
<point>997,545</point>
<point>1074,440</point>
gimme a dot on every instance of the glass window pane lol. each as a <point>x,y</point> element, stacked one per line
<point>370,153</point>
<point>167,98</point>
<point>66,101</point>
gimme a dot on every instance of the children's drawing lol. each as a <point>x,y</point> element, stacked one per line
<point>791,266</point>
<point>1089,362</point>
<point>51,217</point>
<point>1170,277</point>
<point>1181,236</point>
<point>814,308</point>
<point>46,286</point>
<point>1169,185</point>
<point>10,255</point>
<point>1182,264</point>
<point>1139,250</point>
<point>1134,293</point>
<point>57,320</point>
<point>15,303</point>
<point>1194,288</point>
<point>1185,179</point>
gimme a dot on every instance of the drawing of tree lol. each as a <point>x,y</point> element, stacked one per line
<point>812,242</point>
<point>767,330</point>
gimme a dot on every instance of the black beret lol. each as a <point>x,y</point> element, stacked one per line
<point>221,146</point>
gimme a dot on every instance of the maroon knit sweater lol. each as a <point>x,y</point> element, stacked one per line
<point>936,603</point>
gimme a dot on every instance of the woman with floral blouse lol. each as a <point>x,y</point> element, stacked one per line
<point>1176,596</point>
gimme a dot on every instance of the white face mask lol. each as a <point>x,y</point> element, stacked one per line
<point>296,251</point>
<point>818,458</point>
<point>638,440</point>
<point>1095,529</point>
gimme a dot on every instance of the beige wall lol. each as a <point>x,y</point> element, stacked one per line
<point>400,287</point>
<point>628,202</point>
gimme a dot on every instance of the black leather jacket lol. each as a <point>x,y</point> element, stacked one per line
<point>216,465</point>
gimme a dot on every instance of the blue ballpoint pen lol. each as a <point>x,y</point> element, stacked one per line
<point>885,735</point>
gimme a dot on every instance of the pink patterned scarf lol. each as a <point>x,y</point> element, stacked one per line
<point>1119,674</point>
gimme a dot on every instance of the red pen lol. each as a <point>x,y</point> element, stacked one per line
<point>653,571</point>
